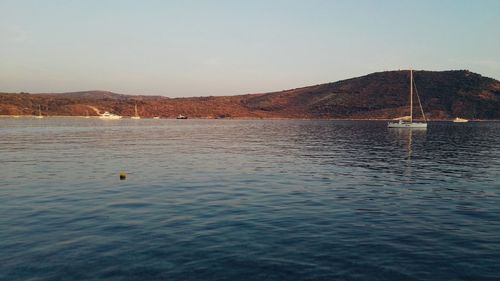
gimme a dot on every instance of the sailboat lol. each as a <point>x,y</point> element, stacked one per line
<point>410,124</point>
<point>39,113</point>
<point>136,116</point>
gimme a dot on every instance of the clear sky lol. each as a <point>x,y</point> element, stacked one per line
<point>199,48</point>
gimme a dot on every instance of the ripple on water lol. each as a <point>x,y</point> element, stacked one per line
<point>248,200</point>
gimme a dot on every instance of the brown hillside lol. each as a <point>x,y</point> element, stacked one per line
<point>383,95</point>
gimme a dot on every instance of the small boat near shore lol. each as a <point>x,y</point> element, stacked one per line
<point>180,116</point>
<point>109,116</point>
<point>460,120</point>
<point>136,116</point>
<point>39,116</point>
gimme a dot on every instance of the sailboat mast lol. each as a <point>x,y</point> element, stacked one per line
<point>411,95</point>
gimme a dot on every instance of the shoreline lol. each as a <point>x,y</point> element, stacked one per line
<point>242,118</point>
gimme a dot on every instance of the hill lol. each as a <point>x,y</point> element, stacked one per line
<point>444,94</point>
<point>381,95</point>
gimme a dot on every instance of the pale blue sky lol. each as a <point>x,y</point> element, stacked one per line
<point>199,48</point>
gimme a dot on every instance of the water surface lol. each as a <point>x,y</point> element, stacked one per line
<point>248,200</point>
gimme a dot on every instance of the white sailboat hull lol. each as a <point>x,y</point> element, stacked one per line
<point>408,125</point>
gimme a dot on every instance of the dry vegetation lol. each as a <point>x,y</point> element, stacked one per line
<point>381,95</point>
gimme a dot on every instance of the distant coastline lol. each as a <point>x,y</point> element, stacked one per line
<point>245,118</point>
<point>378,96</point>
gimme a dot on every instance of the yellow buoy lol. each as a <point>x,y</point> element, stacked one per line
<point>123,175</point>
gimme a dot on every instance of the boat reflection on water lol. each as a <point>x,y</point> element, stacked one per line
<point>408,137</point>
<point>412,143</point>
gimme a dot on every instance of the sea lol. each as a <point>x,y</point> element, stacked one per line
<point>248,200</point>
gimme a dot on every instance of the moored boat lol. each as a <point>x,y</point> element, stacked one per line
<point>136,116</point>
<point>39,116</point>
<point>460,120</point>
<point>109,116</point>
<point>410,123</point>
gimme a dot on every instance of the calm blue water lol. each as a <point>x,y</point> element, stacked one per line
<point>248,200</point>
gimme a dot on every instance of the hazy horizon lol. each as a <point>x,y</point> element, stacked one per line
<point>235,94</point>
<point>203,48</point>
